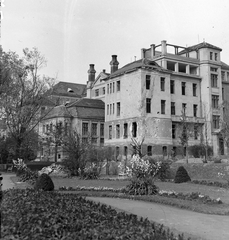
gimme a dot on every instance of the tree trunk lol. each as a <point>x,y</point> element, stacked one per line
<point>18,148</point>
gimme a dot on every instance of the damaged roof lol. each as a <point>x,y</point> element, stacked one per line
<point>69,89</point>
<point>142,63</point>
<point>58,111</point>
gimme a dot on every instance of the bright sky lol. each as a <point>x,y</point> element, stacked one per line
<point>75,33</point>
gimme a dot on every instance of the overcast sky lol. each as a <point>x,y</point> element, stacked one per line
<point>75,33</point>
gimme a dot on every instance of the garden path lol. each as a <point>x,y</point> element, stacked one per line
<point>192,224</point>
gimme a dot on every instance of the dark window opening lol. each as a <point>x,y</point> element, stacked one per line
<point>195,110</point>
<point>164,151</point>
<point>162,84</point>
<point>173,109</point>
<point>183,86</point>
<point>147,82</point>
<point>148,105</point>
<point>125,135</point>
<point>162,106</point>
<point>173,131</point>
<point>149,150</point>
<point>172,86</point>
<point>134,129</point>
<point>194,88</point>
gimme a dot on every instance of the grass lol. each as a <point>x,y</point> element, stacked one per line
<point>213,192</point>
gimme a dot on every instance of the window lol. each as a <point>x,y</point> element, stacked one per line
<point>110,132</point>
<point>215,121</point>
<point>215,101</point>
<point>94,129</point>
<point>101,141</point>
<point>213,69</point>
<point>223,93</point>
<point>195,132</point>
<point>107,109</point>
<point>149,150</point>
<point>125,126</point>
<point>113,87</point>
<point>173,131</point>
<point>172,86</point>
<point>227,76</point>
<point>125,151</point>
<point>65,128</point>
<point>211,55</point>
<point>183,86</point>
<point>162,106</point>
<point>148,105</point>
<point>43,130</point>
<point>101,129</point>
<point>118,108</point>
<point>148,82</point>
<point>214,79</point>
<point>173,109</point>
<point>194,87</point>
<point>216,56</point>
<point>51,127</point>
<point>162,84</point>
<point>107,88</point>
<point>117,131</point>
<point>117,152</point>
<point>134,129</point>
<point>118,86</point>
<point>113,108</point>
<point>164,150</point>
<point>110,87</point>
<point>223,76</point>
<point>194,110</point>
<point>104,90</point>
<point>84,129</point>
<point>110,109</point>
<point>97,92</point>
<point>184,107</point>
<point>59,156</point>
<point>47,128</point>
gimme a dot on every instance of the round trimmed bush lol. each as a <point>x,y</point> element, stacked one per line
<point>44,182</point>
<point>181,175</point>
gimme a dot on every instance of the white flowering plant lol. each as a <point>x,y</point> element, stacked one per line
<point>24,172</point>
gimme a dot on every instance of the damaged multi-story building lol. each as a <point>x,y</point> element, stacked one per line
<point>145,98</point>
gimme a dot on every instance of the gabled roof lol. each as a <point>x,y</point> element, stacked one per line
<point>142,63</point>
<point>198,46</point>
<point>88,103</point>
<point>87,108</point>
<point>101,76</point>
<point>69,89</point>
<point>58,111</point>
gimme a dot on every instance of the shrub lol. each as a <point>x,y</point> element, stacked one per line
<point>216,159</point>
<point>44,182</point>
<point>198,151</point>
<point>181,175</point>
<point>90,172</point>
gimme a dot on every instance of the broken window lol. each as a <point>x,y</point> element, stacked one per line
<point>117,131</point>
<point>149,150</point>
<point>173,131</point>
<point>173,108</point>
<point>194,87</point>
<point>110,132</point>
<point>194,110</point>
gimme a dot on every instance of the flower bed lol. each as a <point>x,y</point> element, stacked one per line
<point>29,214</point>
<point>194,196</point>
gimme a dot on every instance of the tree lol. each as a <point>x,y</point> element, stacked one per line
<point>224,130</point>
<point>187,131</point>
<point>22,93</point>
<point>75,148</point>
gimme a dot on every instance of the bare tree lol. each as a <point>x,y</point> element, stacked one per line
<point>22,93</point>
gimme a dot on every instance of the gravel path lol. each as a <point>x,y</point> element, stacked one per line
<point>202,226</point>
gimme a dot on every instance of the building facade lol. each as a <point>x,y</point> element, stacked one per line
<point>146,98</point>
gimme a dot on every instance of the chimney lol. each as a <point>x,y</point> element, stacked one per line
<point>91,73</point>
<point>152,51</point>
<point>143,50</point>
<point>163,47</point>
<point>114,64</point>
